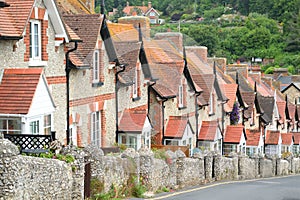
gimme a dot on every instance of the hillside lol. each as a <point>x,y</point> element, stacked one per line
<point>235,29</point>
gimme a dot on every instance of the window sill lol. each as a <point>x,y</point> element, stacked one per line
<point>37,63</point>
<point>98,84</point>
<point>136,98</point>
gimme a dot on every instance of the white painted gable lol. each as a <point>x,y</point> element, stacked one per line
<point>42,102</point>
<point>188,133</point>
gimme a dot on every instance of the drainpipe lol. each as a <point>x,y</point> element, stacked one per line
<point>117,105</point>
<point>68,70</point>
<point>148,101</point>
<point>163,119</point>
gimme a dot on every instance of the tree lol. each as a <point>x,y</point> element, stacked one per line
<point>206,36</point>
<point>293,35</point>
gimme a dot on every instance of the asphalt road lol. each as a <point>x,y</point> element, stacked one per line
<point>283,188</point>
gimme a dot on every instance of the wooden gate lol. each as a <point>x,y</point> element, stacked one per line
<point>87,180</point>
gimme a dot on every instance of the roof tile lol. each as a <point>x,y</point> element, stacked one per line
<point>287,138</point>
<point>208,131</point>
<point>133,120</point>
<point>175,126</point>
<point>233,133</point>
<point>253,137</point>
<point>272,137</point>
<point>17,89</point>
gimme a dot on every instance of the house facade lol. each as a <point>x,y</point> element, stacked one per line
<point>34,36</point>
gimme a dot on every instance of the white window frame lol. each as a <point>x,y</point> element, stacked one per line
<point>173,142</point>
<point>96,128</point>
<point>135,85</point>
<point>7,130</point>
<point>73,131</point>
<point>211,104</point>
<point>35,55</point>
<point>130,140</point>
<point>33,124</point>
<point>96,66</point>
<point>47,126</point>
<point>180,96</point>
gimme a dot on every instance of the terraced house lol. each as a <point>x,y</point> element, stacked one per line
<point>69,71</point>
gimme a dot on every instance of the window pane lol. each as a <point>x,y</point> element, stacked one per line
<point>96,65</point>
<point>34,127</point>
<point>36,40</point>
<point>11,126</point>
<point>47,124</point>
<point>96,130</point>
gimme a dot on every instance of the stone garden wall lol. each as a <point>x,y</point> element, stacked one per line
<point>25,177</point>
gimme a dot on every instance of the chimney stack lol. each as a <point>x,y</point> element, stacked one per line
<point>149,4</point>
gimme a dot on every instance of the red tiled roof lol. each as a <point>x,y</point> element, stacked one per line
<point>166,86</point>
<point>87,27</point>
<point>253,137</point>
<point>128,52</point>
<point>162,51</point>
<point>72,34</point>
<point>233,133</point>
<point>13,19</point>
<point>292,110</point>
<point>287,138</point>
<point>281,109</point>
<point>230,92</point>
<point>208,131</point>
<point>272,137</point>
<point>129,10</point>
<point>205,81</point>
<point>296,138</point>
<point>133,120</point>
<point>72,7</point>
<point>249,98</point>
<point>17,89</point>
<point>123,32</point>
<point>175,126</point>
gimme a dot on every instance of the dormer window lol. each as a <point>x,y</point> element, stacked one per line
<point>96,66</point>
<point>35,40</point>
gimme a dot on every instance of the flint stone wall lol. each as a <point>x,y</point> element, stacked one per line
<point>226,168</point>
<point>266,168</point>
<point>26,177</point>
<point>190,172</point>
<point>248,167</point>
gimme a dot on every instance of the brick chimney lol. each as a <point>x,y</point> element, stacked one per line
<point>280,71</point>
<point>149,4</point>
<point>220,63</point>
<point>175,38</point>
<point>200,51</point>
<point>136,20</point>
<point>256,76</point>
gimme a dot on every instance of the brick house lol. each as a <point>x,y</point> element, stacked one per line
<point>169,96</point>
<point>147,11</point>
<point>92,104</point>
<point>33,35</point>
